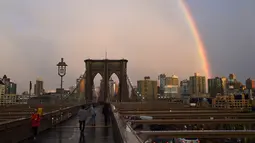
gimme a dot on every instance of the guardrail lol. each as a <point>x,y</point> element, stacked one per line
<point>122,131</point>
<point>20,129</point>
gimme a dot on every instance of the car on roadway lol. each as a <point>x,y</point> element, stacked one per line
<point>175,140</point>
<point>187,140</point>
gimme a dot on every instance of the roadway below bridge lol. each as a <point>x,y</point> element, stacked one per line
<point>198,134</point>
<point>188,122</point>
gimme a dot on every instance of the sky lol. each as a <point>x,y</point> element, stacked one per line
<point>153,35</point>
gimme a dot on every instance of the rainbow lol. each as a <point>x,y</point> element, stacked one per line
<point>198,40</point>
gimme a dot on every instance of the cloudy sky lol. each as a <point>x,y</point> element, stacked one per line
<point>152,34</point>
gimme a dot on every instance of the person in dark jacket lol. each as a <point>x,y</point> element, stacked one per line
<point>106,112</point>
<point>82,115</point>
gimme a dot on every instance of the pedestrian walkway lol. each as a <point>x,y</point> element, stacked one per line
<point>69,132</point>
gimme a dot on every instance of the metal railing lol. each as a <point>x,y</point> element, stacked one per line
<point>123,132</point>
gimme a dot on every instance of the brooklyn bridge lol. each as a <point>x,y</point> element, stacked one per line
<point>132,120</point>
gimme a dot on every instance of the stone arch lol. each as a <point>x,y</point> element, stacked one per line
<point>97,73</point>
<point>112,73</point>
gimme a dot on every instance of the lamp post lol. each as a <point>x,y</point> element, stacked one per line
<point>61,72</point>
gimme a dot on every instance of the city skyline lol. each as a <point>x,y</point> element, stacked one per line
<point>153,35</point>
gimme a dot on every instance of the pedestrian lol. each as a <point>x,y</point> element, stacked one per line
<point>36,119</point>
<point>82,115</point>
<point>106,111</point>
<point>93,115</point>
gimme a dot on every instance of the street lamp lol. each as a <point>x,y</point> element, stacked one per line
<point>61,72</point>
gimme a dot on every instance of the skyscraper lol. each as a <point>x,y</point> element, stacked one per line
<point>147,88</point>
<point>224,81</point>
<point>232,81</point>
<point>10,87</point>
<point>232,77</point>
<point>233,85</point>
<point>197,84</point>
<point>215,86</point>
<point>6,82</point>
<point>38,87</point>
<point>162,83</point>
<point>185,87</point>
<point>171,87</point>
<point>172,80</point>
<point>2,88</point>
<point>250,84</point>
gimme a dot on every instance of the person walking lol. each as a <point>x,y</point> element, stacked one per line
<point>36,119</point>
<point>82,115</point>
<point>106,111</point>
<point>93,115</point>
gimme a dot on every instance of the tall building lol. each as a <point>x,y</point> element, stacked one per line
<point>185,87</point>
<point>38,87</point>
<point>224,81</point>
<point>171,87</point>
<point>10,87</point>
<point>171,91</point>
<point>173,80</point>
<point>7,91</point>
<point>233,85</point>
<point>215,86</point>
<point>162,83</point>
<point>197,84</point>
<point>232,77</point>
<point>250,84</point>
<point>2,88</point>
<point>147,88</point>
<point>232,81</point>
<point>6,82</point>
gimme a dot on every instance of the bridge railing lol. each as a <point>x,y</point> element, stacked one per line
<point>122,131</point>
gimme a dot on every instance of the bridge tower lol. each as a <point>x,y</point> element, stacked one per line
<point>106,68</point>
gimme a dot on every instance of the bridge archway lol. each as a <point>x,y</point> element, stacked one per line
<point>113,87</point>
<point>96,87</point>
<point>106,68</point>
